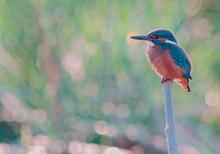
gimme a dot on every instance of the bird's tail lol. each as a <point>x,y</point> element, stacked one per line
<point>184,83</point>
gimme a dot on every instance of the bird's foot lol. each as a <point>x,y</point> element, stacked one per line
<point>165,80</point>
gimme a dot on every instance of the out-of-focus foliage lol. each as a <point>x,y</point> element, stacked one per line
<point>71,79</point>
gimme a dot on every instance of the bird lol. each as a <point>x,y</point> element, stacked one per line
<point>169,61</point>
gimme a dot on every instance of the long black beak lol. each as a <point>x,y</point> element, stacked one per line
<point>141,37</point>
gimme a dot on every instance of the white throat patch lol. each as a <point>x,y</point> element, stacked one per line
<point>170,42</point>
<point>151,44</point>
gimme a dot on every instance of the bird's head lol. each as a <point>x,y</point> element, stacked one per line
<point>158,37</point>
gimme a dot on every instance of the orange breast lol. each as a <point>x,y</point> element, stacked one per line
<point>163,64</point>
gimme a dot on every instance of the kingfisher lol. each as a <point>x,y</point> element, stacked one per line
<point>169,61</point>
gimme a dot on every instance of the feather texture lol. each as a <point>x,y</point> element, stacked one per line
<point>181,59</point>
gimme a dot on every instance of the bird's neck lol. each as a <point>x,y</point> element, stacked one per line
<point>171,42</point>
<point>151,44</point>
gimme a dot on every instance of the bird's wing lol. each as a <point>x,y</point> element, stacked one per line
<point>181,59</point>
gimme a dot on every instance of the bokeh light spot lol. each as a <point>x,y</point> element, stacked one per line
<point>130,41</point>
<point>41,140</point>
<point>188,149</point>
<point>20,115</point>
<point>202,27</point>
<point>108,108</point>
<point>18,111</point>
<point>159,142</point>
<point>91,49</point>
<point>101,127</point>
<point>74,65</point>
<point>39,115</point>
<point>212,98</point>
<point>137,149</point>
<point>4,149</point>
<point>122,110</point>
<point>6,115</point>
<point>75,147</point>
<point>107,35</point>
<point>193,7</point>
<point>37,150</point>
<point>132,133</point>
<point>58,146</point>
<point>113,150</point>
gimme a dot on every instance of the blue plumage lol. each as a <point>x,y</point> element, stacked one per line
<point>180,58</point>
<point>167,58</point>
<point>177,53</point>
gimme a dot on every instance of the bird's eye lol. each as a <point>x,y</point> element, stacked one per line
<point>153,36</point>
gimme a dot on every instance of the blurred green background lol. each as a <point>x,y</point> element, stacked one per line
<point>73,82</point>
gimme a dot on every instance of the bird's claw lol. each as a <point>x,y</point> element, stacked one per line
<point>165,80</point>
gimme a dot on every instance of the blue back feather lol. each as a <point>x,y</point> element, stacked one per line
<point>180,58</point>
<point>177,53</point>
